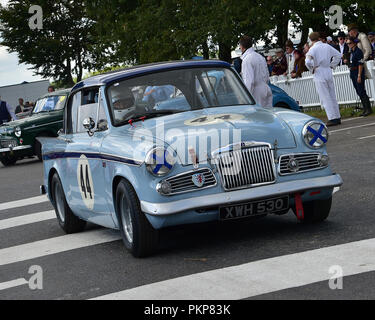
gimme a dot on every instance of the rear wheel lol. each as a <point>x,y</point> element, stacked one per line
<point>317,211</point>
<point>139,237</point>
<point>66,218</point>
<point>8,160</point>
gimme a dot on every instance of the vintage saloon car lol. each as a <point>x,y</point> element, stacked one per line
<point>18,138</point>
<point>123,162</point>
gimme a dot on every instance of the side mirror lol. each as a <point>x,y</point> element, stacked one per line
<point>89,125</point>
<point>60,132</point>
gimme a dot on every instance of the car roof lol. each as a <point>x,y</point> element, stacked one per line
<point>110,77</point>
<point>56,93</point>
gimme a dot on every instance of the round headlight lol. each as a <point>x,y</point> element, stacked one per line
<point>159,162</point>
<point>315,134</point>
<point>18,132</point>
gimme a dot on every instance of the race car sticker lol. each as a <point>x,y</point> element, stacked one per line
<point>213,119</point>
<point>85,183</point>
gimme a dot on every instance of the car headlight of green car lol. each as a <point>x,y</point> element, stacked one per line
<point>18,132</point>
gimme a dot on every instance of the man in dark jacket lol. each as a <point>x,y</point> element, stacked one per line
<point>342,47</point>
<point>357,74</point>
<point>6,113</point>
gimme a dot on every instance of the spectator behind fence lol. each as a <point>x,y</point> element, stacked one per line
<point>51,89</point>
<point>342,47</point>
<point>306,48</point>
<point>21,107</point>
<point>289,49</point>
<point>357,74</point>
<point>270,64</point>
<point>299,64</point>
<point>6,113</point>
<point>371,38</point>
<point>320,60</point>
<point>280,65</point>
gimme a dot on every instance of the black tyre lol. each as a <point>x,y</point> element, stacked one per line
<point>317,211</point>
<point>139,237</point>
<point>38,150</point>
<point>66,218</point>
<point>9,160</point>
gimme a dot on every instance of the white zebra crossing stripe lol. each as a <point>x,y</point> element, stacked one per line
<point>259,277</point>
<point>13,284</point>
<point>27,219</point>
<point>23,203</point>
<point>51,246</point>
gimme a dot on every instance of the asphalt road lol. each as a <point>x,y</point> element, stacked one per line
<point>271,258</point>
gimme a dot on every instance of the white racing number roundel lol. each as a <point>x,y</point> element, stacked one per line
<point>85,183</point>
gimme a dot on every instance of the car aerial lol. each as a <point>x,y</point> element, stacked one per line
<point>18,138</point>
<point>124,161</point>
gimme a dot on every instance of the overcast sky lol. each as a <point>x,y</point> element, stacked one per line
<point>11,72</point>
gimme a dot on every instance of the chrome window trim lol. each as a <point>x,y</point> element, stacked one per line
<point>299,172</point>
<point>42,125</point>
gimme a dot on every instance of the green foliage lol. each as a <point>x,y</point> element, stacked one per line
<point>66,44</point>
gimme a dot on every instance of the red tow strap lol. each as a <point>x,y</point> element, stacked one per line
<point>299,207</point>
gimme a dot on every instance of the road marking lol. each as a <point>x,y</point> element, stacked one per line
<point>23,203</point>
<point>355,127</point>
<point>368,137</point>
<point>259,277</point>
<point>51,246</point>
<point>27,219</point>
<point>13,284</point>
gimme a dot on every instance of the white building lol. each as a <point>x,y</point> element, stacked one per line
<point>29,91</point>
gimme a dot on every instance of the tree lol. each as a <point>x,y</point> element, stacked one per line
<point>62,49</point>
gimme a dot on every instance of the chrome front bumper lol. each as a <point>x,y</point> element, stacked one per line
<point>290,187</point>
<point>19,148</point>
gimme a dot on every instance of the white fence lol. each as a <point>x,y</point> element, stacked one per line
<point>303,89</point>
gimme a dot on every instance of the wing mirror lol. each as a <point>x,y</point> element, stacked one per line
<point>89,125</point>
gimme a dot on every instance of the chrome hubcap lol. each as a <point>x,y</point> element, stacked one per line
<point>127,222</point>
<point>59,202</point>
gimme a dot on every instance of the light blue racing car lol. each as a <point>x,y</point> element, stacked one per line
<point>164,145</point>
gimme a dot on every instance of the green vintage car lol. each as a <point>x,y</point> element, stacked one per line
<point>18,138</point>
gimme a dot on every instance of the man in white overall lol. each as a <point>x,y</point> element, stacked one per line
<point>255,73</point>
<point>320,60</point>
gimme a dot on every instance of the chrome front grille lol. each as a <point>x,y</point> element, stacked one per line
<point>246,167</point>
<point>305,162</point>
<point>6,143</point>
<point>184,182</point>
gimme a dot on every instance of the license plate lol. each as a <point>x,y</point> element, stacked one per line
<point>255,208</point>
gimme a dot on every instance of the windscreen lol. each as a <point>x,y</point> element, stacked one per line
<point>175,91</point>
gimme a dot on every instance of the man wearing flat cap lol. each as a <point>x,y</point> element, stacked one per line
<point>364,43</point>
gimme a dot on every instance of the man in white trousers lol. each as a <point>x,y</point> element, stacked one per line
<point>320,60</point>
<point>255,73</point>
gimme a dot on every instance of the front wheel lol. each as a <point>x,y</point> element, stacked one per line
<point>139,237</point>
<point>68,221</point>
<point>8,160</point>
<point>317,211</point>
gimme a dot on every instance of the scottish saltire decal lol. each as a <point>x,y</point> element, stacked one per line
<point>162,161</point>
<point>317,135</point>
